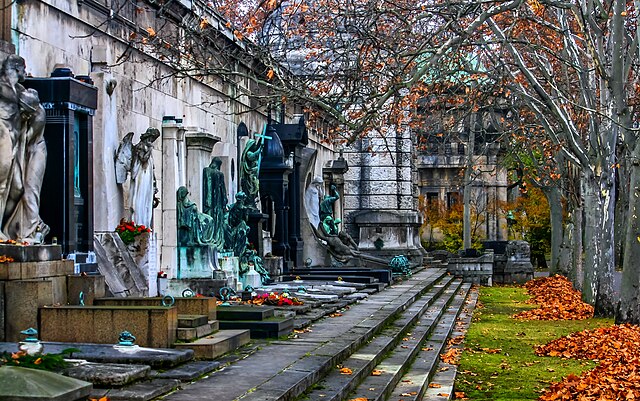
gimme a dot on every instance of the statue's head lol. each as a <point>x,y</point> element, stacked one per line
<point>151,134</point>
<point>241,196</point>
<point>217,162</point>
<point>182,193</point>
<point>14,63</point>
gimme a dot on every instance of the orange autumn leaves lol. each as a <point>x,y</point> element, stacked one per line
<point>557,299</point>
<point>616,348</point>
<point>617,376</point>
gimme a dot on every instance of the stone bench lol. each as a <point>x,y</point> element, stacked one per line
<point>186,306</point>
<point>153,326</point>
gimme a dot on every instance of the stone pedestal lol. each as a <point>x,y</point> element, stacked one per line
<point>231,267</point>
<point>38,277</point>
<point>515,266</point>
<point>90,286</point>
<point>196,262</point>
<point>274,265</point>
<point>385,234</point>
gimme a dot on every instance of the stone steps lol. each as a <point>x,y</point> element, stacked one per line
<point>388,353</point>
<point>282,370</point>
<point>418,358</point>
<point>445,375</point>
<point>217,344</point>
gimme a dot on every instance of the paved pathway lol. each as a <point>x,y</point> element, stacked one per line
<point>295,359</point>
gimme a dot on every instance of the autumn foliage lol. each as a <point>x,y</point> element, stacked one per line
<point>557,299</point>
<point>617,376</point>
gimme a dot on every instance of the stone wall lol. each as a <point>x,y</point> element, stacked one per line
<point>51,33</point>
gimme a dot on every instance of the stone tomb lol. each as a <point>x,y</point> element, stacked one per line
<point>153,326</point>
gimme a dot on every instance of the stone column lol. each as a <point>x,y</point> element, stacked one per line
<point>173,176</point>
<point>199,146</point>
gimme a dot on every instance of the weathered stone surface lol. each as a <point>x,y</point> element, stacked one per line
<point>122,274</point>
<point>192,321</point>
<point>245,312</point>
<point>92,286</point>
<point>152,326</point>
<point>204,286</point>
<point>217,344</point>
<point>196,262</point>
<point>17,384</point>
<point>272,327</point>
<point>24,297</point>
<point>190,371</point>
<point>32,253</point>
<point>34,270</point>
<point>185,306</point>
<point>142,391</point>
<point>107,375</point>
<point>192,333</point>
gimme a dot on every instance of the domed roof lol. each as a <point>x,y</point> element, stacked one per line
<point>273,147</point>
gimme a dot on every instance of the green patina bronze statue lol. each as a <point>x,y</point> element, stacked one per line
<point>250,168</point>
<point>237,230</point>
<point>214,199</point>
<point>194,228</point>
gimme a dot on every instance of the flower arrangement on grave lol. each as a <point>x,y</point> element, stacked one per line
<point>275,299</point>
<point>51,362</point>
<point>128,230</point>
<point>13,242</point>
<point>6,259</point>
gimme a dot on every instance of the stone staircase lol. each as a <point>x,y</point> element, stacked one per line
<point>388,345</point>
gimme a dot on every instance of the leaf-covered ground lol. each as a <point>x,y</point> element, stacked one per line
<point>499,362</point>
<point>557,300</point>
<point>615,349</point>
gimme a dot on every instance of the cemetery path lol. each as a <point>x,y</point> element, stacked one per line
<point>361,337</point>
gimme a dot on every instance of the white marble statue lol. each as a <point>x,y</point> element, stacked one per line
<point>312,197</point>
<point>138,161</point>
<point>23,155</point>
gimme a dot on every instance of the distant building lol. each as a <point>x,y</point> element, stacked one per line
<point>441,161</point>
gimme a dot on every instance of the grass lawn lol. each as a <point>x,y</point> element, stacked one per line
<point>499,363</point>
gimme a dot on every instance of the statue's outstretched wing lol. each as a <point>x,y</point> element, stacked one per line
<point>123,158</point>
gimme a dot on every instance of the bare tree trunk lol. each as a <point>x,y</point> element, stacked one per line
<point>466,197</point>
<point>599,259</point>
<point>555,213</point>
<point>576,273</point>
<point>629,308</point>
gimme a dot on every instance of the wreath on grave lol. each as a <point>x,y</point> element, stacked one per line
<point>128,230</point>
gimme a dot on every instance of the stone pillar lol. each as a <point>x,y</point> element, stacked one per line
<point>199,146</point>
<point>108,215</point>
<point>173,176</point>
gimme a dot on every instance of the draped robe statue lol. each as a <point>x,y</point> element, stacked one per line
<point>138,161</point>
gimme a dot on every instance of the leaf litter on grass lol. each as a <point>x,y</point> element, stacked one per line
<point>617,376</point>
<point>557,299</point>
